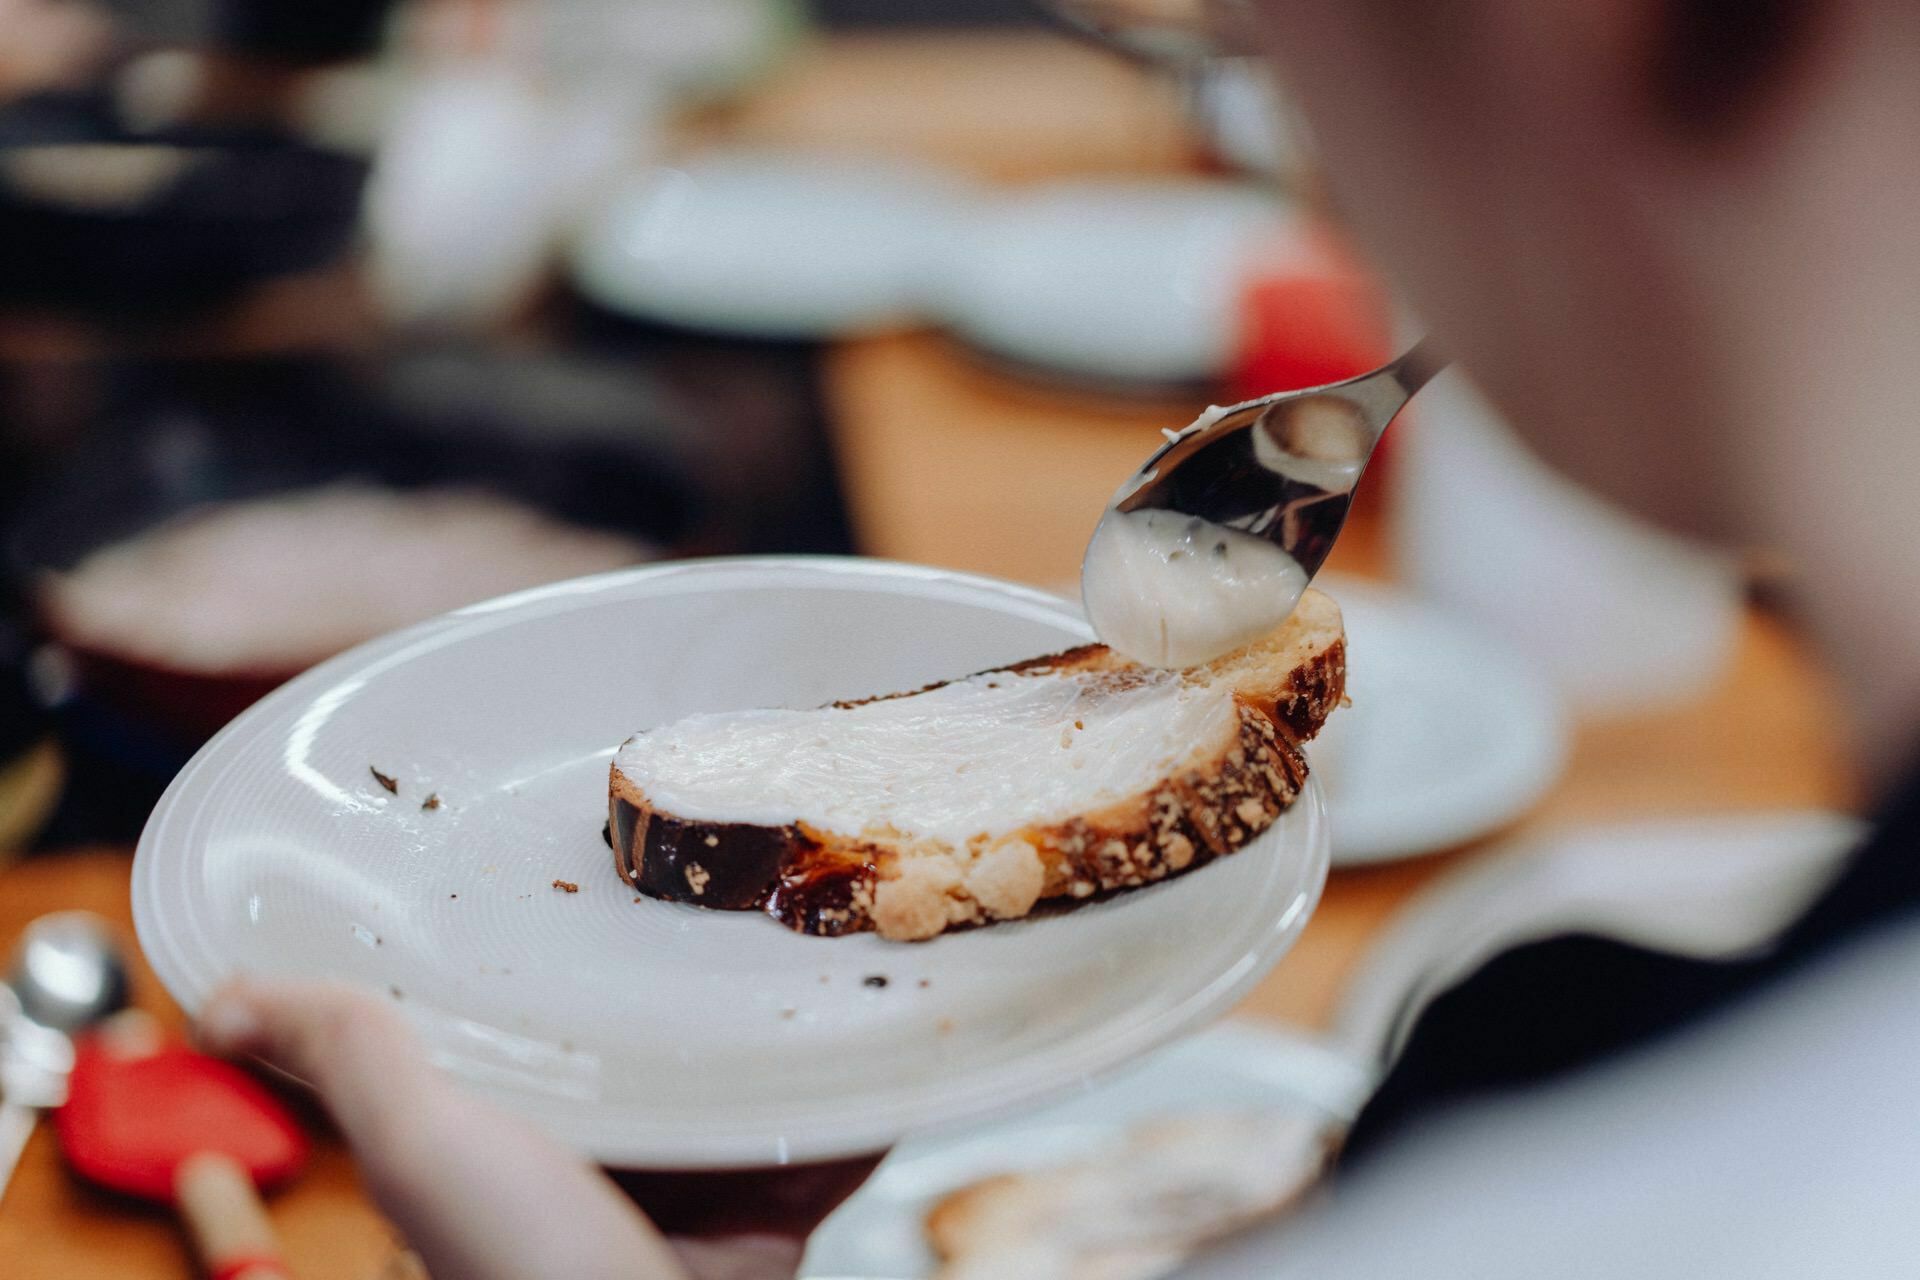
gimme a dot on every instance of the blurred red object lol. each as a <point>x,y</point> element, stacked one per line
<point>131,1119</point>
<point>1310,314</point>
<point>1307,330</point>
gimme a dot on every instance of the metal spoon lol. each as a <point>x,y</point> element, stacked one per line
<point>67,973</point>
<point>1282,467</point>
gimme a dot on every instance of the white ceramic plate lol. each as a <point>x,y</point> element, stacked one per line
<point>646,1033</point>
<point>1451,734</point>
<point>1130,279</point>
<point>772,244</point>
<point>1237,1066</point>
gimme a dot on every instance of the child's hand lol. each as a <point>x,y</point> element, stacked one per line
<point>477,1192</point>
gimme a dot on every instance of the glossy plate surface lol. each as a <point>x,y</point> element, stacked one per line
<point>651,1034</point>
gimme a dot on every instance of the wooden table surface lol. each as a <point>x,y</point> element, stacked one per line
<point>950,462</point>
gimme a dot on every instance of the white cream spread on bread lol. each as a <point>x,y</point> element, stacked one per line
<point>981,756</point>
<point>1170,590</point>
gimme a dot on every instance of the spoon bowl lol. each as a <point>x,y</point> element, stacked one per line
<point>1211,543</point>
<point>1282,467</point>
<point>68,972</point>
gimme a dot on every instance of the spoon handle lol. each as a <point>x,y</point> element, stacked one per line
<point>1416,367</point>
<point>229,1225</point>
<point>16,1126</point>
<point>1381,395</point>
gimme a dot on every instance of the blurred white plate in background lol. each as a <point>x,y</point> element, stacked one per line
<point>1451,734</point>
<point>645,1033</point>
<point>773,245</point>
<point>1136,280</point>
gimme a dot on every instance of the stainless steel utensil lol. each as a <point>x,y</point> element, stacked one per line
<point>1282,467</point>
<point>67,973</point>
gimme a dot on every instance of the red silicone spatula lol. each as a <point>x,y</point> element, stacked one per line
<point>156,1120</point>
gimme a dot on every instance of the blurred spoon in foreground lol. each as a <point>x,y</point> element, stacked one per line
<point>67,974</point>
<point>1211,543</point>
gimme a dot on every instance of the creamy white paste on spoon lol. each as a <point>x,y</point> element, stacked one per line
<point>1172,590</point>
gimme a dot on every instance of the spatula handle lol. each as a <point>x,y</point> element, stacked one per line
<point>228,1222</point>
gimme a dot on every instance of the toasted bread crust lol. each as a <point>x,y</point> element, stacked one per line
<point>828,883</point>
<point>963,1216</point>
<point>1172,1185</point>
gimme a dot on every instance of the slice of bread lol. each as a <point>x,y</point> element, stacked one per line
<point>1139,1208</point>
<point>971,800</point>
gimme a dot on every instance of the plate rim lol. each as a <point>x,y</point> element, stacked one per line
<point>1523,693</point>
<point>170,945</point>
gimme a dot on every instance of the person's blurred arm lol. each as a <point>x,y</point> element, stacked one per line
<point>477,1193</point>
